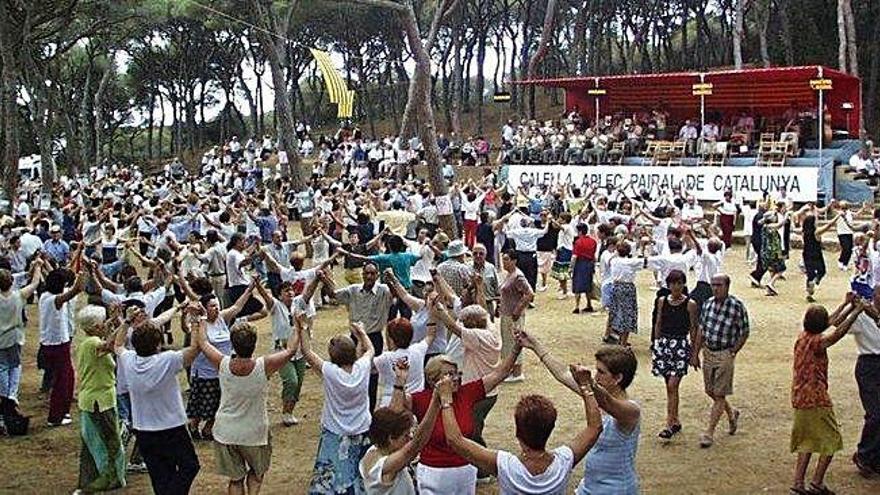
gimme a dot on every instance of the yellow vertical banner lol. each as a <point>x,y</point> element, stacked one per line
<point>337,90</point>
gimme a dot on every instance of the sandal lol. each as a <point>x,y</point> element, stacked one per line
<point>666,433</point>
<point>194,433</point>
<point>575,311</point>
<point>819,490</point>
<point>797,491</point>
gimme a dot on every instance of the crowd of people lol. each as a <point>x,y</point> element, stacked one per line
<point>167,274</point>
<point>578,141</point>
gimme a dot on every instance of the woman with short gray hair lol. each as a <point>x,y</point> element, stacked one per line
<point>102,458</point>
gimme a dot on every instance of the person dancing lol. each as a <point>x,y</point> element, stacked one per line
<point>815,429</point>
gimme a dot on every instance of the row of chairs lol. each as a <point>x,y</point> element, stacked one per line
<point>771,153</point>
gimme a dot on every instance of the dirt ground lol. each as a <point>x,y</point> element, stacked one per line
<point>755,460</point>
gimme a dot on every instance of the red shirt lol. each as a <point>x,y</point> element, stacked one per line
<point>437,453</point>
<point>585,247</point>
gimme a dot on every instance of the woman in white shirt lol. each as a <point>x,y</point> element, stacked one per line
<point>534,470</point>
<point>399,335</point>
<point>623,309</point>
<point>345,417</point>
<point>56,332</point>
<point>726,209</point>
<point>241,429</point>
<point>238,256</point>
<point>470,208</point>
<point>844,227</point>
<point>385,466</point>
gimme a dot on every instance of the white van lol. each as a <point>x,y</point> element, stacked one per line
<point>30,167</point>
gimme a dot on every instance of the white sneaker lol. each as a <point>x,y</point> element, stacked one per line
<point>136,467</point>
<point>515,378</point>
<point>289,420</point>
<point>542,288</point>
<point>63,422</point>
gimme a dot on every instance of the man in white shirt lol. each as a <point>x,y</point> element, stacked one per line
<point>687,132</point>
<point>691,212</point>
<point>866,333</point>
<point>862,163</point>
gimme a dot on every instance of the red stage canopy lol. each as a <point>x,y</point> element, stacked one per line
<point>761,92</point>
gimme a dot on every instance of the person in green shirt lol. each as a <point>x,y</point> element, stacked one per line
<point>102,458</point>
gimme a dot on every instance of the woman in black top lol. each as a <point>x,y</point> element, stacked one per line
<point>814,261</point>
<point>674,331</point>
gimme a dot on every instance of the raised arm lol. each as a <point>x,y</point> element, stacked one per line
<point>194,320</point>
<point>476,454</point>
<point>364,345</point>
<point>825,228</point>
<point>70,293</point>
<point>829,338</point>
<point>586,438</point>
<point>36,277</point>
<point>167,315</point>
<point>400,400</point>
<point>438,311</point>
<point>556,368</point>
<point>503,369</point>
<point>305,345</point>
<point>268,300</point>
<point>231,312</point>
<point>412,302</point>
<point>402,458</point>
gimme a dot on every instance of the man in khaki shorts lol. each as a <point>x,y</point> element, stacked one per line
<point>724,329</point>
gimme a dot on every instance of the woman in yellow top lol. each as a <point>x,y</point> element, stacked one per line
<point>102,458</point>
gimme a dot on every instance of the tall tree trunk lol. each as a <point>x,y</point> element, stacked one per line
<point>577,55</point>
<point>685,17</point>
<point>161,124</point>
<point>851,39</point>
<point>9,111</point>
<point>98,108</point>
<point>541,52</point>
<point>764,28</point>
<point>870,108</point>
<point>261,110</point>
<point>420,96</point>
<point>787,40</point>
<point>457,78</point>
<point>739,14</point>
<point>841,37</point>
<point>481,78</point>
<point>252,105</point>
<point>150,123</point>
<point>87,128</point>
<point>275,54</point>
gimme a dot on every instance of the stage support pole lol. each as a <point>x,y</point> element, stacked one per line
<point>596,83</point>
<point>821,118</point>
<point>702,104</point>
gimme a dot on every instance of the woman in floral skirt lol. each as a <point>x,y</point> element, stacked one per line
<point>674,331</point>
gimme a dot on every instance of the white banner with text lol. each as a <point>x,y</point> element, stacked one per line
<point>704,183</point>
